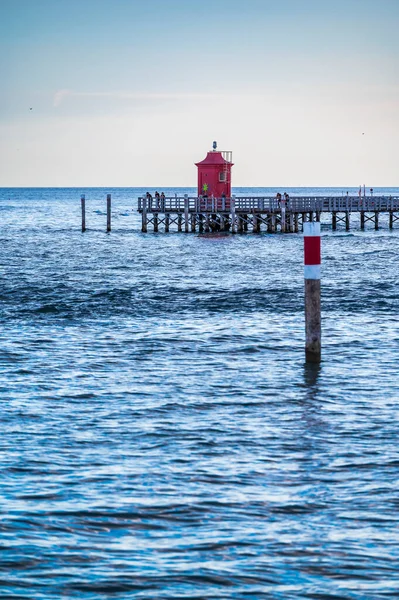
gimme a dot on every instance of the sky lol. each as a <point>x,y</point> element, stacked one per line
<point>133,93</point>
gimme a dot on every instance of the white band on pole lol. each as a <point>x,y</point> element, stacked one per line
<point>311,229</point>
<point>312,272</point>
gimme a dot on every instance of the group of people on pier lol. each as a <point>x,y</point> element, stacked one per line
<point>159,199</point>
<point>282,200</point>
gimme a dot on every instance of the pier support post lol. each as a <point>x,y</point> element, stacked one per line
<point>144,216</point>
<point>233,214</point>
<point>347,220</point>
<point>245,222</point>
<point>311,217</point>
<point>317,216</point>
<point>179,221</point>
<point>291,223</point>
<point>193,223</point>
<point>283,222</point>
<point>255,224</point>
<point>207,227</point>
<point>83,204</point>
<point>390,219</point>
<point>362,220</point>
<point>155,222</point>
<point>167,221</point>
<point>312,248</point>
<point>334,221</point>
<point>185,213</point>
<point>273,223</point>
<point>240,228</point>
<point>108,212</point>
<point>201,223</point>
<point>376,220</point>
<point>296,219</point>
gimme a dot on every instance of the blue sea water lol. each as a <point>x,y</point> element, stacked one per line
<point>161,436</point>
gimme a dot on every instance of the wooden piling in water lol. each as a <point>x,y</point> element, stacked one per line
<point>255,225</point>
<point>347,221</point>
<point>312,261</point>
<point>233,214</point>
<point>283,223</point>
<point>362,220</point>
<point>334,221</point>
<point>167,221</point>
<point>83,205</point>
<point>376,221</point>
<point>390,219</point>
<point>185,213</point>
<point>291,223</point>
<point>221,223</point>
<point>108,212</point>
<point>144,217</point>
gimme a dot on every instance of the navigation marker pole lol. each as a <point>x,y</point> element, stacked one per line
<point>312,248</point>
<point>83,204</point>
<point>108,212</point>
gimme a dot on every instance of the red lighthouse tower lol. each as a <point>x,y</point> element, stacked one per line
<point>214,174</point>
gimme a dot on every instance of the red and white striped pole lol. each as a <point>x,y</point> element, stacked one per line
<point>312,247</point>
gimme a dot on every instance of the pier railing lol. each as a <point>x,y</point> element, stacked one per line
<point>252,204</point>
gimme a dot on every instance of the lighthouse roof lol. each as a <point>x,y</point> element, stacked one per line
<point>213,158</point>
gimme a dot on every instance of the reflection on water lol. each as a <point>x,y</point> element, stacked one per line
<point>161,434</point>
<point>311,372</point>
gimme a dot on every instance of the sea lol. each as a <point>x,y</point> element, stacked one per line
<point>161,434</point>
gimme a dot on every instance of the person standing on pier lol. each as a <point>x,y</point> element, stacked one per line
<point>162,201</point>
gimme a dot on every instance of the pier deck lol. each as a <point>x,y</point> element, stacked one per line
<point>239,214</point>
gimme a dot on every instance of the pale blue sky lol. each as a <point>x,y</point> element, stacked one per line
<point>132,93</point>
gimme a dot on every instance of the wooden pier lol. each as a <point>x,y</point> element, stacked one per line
<point>256,214</point>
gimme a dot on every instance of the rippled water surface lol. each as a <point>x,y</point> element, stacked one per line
<point>161,436</point>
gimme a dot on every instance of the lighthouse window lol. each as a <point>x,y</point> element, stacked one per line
<point>222,176</point>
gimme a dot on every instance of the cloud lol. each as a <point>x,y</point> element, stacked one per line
<point>60,95</point>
